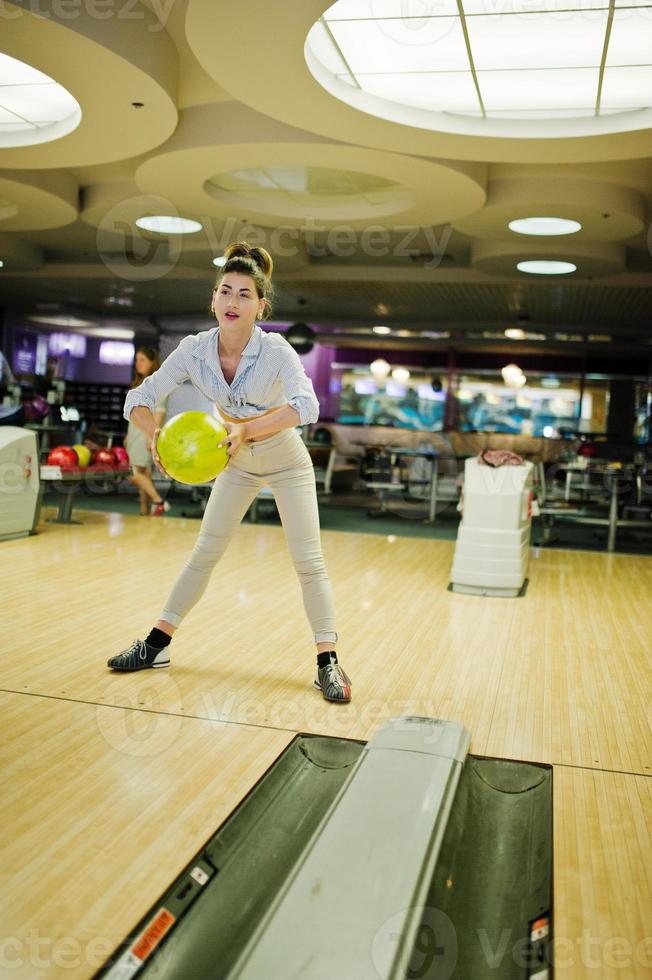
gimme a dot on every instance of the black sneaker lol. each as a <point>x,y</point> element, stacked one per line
<point>333,683</point>
<point>138,656</point>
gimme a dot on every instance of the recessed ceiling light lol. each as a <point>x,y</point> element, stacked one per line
<point>382,330</point>
<point>544,226</point>
<point>546,267</point>
<point>1,264</point>
<point>459,75</point>
<point>35,108</point>
<point>219,261</point>
<point>515,333</point>
<point>167,224</point>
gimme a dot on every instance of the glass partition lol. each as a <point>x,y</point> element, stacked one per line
<point>414,402</point>
<point>534,404</point>
<point>542,406</point>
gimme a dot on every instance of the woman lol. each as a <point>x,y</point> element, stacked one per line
<point>262,393</point>
<point>137,445</point>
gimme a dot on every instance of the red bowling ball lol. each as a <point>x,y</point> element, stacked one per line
<point>104,457</point>
<point>121,455</point>
<point>64,456</point>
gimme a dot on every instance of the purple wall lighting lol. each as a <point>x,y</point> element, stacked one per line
<point>365,386</point>
<point>71,343</point>
<point>426,392</point>
<point>24,354</point>
<point>116,352</point>
<point>317,365</point>
<point>395,390</point>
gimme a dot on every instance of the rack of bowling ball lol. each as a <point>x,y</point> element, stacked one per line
<point>68,468</point>
<point>191,446</point>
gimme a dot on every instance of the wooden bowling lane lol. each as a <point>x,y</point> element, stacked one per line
<point>581,705</point>
<point>592,599</point>
<point>603,879</point>
<point>100,808</point>
<point>561,675</point>
<point>245,653</point>
<point>577,687</point>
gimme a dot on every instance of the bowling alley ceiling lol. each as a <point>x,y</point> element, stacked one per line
<point>376,211</point>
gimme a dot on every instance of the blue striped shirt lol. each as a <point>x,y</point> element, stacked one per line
<point>269,375</point>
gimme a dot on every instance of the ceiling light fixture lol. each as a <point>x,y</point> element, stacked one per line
<point>118,301</point>
<point>60,320</point>
<point>460,76</point>
<point>35,108</point>
<point>546,267</point>
<point>167,224</point>
<point>515,333</point>
<point>380,369</point>
<point>513,376</point>
<point>544,226</point>
<point>219,261</point>
<point>112,333</point>
<point>381,330</point>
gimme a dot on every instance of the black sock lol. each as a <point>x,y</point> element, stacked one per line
<point>326,658</point>
<point>158,639</point>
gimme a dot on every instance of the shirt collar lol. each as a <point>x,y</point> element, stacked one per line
<point>207,342</point>
<point>253,346</point>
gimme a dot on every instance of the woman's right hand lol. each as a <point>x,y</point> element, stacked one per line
<point>155,456</point>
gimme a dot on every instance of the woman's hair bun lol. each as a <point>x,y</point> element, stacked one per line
<point>259,255</point>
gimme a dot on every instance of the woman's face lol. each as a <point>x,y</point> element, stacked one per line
<point>143,364</point>
<point>236,302</point>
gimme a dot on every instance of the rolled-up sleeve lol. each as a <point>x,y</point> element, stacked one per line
<point>155,389</point>
<point>298,387</point>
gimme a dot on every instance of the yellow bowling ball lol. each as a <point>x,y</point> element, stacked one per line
<point>83,454</point>
<point>188,447</point>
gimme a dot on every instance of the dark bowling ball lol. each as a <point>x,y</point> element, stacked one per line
<point>322,436</point>
<point>37,409</point>
<point>301,337</point>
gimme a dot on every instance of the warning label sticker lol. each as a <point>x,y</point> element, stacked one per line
<point>199,875</point>
<point>154,932</point>
<point>126,968</point>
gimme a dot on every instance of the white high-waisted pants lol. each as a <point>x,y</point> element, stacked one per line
<point>283,463</point>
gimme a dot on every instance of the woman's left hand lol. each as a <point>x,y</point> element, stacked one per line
<point>235,438</point>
